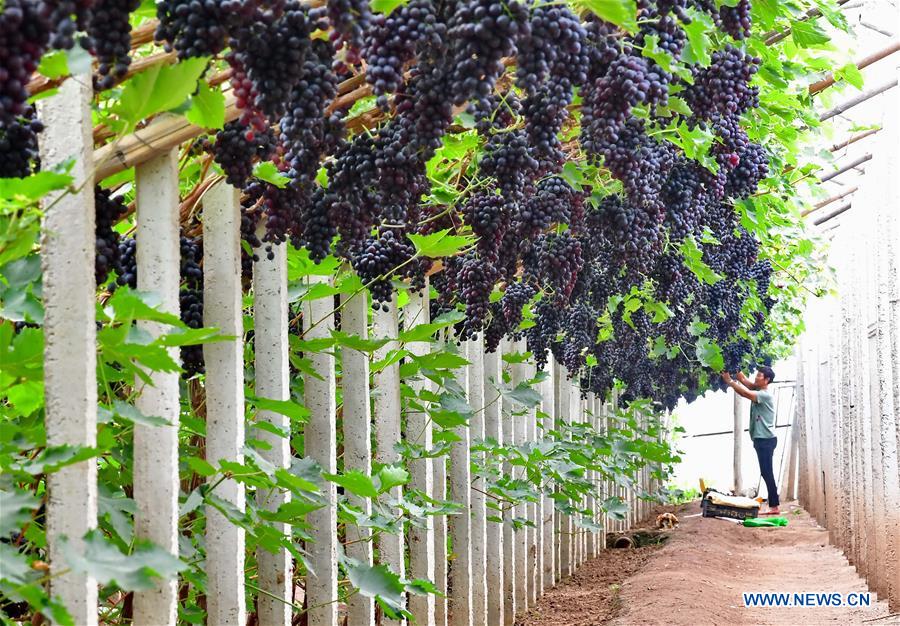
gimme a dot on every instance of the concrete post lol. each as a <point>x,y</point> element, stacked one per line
<point>386,395</point>
<point>357,430</point>
<point>566,543</point>
<point>418,429</point>
<point>270,313</point>
<point>548,541</point>
<point>222,293</point>
<point>519,375</point>
<point>70,346</point>
<point>493,530</point>
<point>156,447</point>
<point>320,444</point>
<point>459,527</point>
<point>738,442</point>
<point>476,396</point>
<point>510,543</point>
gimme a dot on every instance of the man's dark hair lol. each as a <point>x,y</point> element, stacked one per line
<point>768,372</point>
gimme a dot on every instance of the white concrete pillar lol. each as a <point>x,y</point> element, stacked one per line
<point>357,430</point>
<point>566,542</point>
<point>520,375</point>
<point>418,430</point>
<point>548,515</point>
<point>531,509</point>
<point>510,574</point>
<point>156,447</point>
<point>272,369</point>
<point>386,394</point>
<point>590,418</point>
<point>222,293</point>
<point>320,444</point>
<point>493,530</point>
<point>476,394</point>
<point>70,346</point>
<point>459,526</point>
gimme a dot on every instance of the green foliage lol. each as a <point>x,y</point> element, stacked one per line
<point>557,465</point>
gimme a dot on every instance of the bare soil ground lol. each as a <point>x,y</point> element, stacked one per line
<point>699,575</point>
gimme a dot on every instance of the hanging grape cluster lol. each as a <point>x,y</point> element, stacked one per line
<point>606,275</point>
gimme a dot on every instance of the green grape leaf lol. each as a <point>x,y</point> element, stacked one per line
<point>207,109</point>
<point>710,354</point>
<point>266,170</point>
<point>851,74</point>
<point>387,6</point>
<point>391,476</point>
<point>379,582</point>
<point>619,12</point>
<point>356,482</point>
<point>288,408</point>
<point>693,260</point>
<point>54,64</point>
<point>131,572</point>
<point>807,34</point>
<point>439,244</point>
<point>131,413</point>
<point>158,88</point>
<point>15,510</point>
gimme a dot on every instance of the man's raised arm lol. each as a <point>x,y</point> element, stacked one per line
<point>738,388</point>
<point>746,382</point>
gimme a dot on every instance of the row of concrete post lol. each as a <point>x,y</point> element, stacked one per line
<point>489,572</point>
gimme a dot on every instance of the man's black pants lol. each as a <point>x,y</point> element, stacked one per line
<point>765,450</point>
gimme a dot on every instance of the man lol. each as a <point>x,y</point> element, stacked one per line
<point>762,425</point>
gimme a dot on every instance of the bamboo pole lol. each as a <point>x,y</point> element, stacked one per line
<point>828,201</point>
<point>357,430</point>
<point>861,64</point>
<point>224,399</point>
<point>846,168</point>
<point>70,372</point>
<point>849,104</point>
<point>838,211</point>
<point>156,447</point>
<point>853,139</point>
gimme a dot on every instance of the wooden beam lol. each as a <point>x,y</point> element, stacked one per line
<point>849,104</point>
<point>853,139</point>
<point>841,209</point>
<point>854,163</point>
<point>828,201</point>
<point>862,63</point>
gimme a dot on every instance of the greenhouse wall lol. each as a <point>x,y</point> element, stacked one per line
<point>848,384</point>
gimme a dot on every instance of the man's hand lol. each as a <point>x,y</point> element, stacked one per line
<point>746,382</point>
<point>738,388</point>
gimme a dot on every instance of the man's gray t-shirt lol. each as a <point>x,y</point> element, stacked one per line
<point>762,416</point>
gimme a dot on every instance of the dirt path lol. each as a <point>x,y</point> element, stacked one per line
<point>699,575</point>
